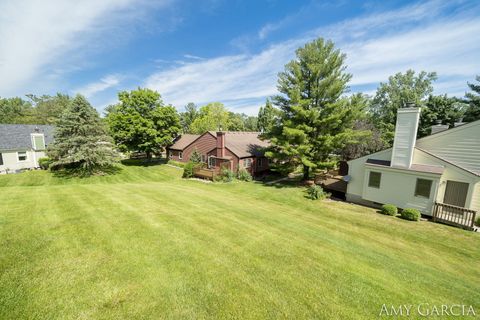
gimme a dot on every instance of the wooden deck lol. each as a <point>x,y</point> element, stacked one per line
<point>455,216</point>
<point>204,173</point>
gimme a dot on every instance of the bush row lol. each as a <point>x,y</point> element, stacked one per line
<point>407,213</point>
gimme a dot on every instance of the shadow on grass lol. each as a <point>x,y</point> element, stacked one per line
<point>287,183</point>
<point>76,173</point>
<point>143,162</point>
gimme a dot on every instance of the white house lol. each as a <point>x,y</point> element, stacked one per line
<point>21,145</point>
<point>441,168</point>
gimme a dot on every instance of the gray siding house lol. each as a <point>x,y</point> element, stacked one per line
<point>21,145</point>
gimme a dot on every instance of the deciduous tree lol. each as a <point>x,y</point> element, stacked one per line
<point>141,122</point>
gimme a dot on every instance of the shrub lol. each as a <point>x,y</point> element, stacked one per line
<point>477,221</point>
<point>410,214</point>
<point>389,209</point>
<point>44,163</point>
<point>244,175</point>
<point>315,192</point>
<point>188,170</point>
<point>227,175</point>
<point>196,157</point>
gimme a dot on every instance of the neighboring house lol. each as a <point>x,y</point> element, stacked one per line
<point>443,167</point>
<point>21,145</point>
<point>232,150</point>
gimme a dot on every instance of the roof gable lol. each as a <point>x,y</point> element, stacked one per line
<point>184,141</point>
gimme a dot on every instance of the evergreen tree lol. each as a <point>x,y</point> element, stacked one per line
<point>188,116</point>
<point>439,109</point>
<point>473,99</point>
<point>81,142</point>
<point>314,119</point>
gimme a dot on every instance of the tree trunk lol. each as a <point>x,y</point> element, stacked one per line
<point>149,155</point>
<point>306,172</point>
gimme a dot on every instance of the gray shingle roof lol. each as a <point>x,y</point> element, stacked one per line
<point>183,141</point>
<point>17,136</point>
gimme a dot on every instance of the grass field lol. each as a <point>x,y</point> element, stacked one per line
<point>146,244</point>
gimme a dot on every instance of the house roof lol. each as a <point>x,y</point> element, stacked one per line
<point>17,136</point>
<point>426,149</point>
<point>244,144</point>
<point>183,141</point>
<point>414,167</point>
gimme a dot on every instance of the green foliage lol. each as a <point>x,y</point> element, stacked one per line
<point>140,122</point>
<point>188,169</point>
<point>477,221</point>
<point>410,214</point>
<point>439,109</point>
<point>315,192</point>
<point>81,142</point>
<point>244,175</point>
<point>213,116</point>
<point>267,117</point>
<point>39,110</point>
<point>44,163</point>
<point>473,99</point>
<point>196,157</point>
<point>188,117</point>
<point>314,119</point>
<point>400,90</point>
<point>227,175</point>
<point>389,209</point>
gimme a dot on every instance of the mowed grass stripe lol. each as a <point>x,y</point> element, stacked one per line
<point>162,247</point>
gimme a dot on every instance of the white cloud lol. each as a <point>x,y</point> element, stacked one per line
<point>103,84</point>
<point>418,37</point>
<point>36,36</point>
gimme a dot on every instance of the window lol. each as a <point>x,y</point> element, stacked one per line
<point>1,160</point>
<point>422,189</point>
<point>259,162</point>
<point>374,179</point>
<point>203,158</point>
<point>38,142</point>
<point>211,162</point>
<point>180,155</point>
<point>22,156</point>
<point>247,163</point>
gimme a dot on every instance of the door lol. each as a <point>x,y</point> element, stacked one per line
<point>456,193</point>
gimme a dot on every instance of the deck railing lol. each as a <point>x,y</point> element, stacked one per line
<point>453,215</point>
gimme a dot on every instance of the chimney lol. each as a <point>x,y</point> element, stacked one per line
<point>439,127</point>
<point>405,137</point>
<point>220,144</point>
<point>459,123</point>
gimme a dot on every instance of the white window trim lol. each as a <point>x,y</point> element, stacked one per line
<point>18,157</point>
<point>180,155</point>
<point>209,159</point>
<point>245,162</point>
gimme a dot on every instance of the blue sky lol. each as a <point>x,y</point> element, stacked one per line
<point>225,50</point>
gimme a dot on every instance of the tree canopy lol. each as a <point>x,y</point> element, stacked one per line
<point>400,90</point>
<point>213,116</point>
<point>140,122</point>
<point>81,144</point>
<point>473,99</point>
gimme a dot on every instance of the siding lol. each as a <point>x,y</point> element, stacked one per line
<point>397,187</point>
<point>11,163</point>
<point>460,146</point>
<point>205,144</point>
<point>451,172</point>
<point>475,204</point>
<point>356,171</point>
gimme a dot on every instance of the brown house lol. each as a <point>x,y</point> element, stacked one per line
<point>232,150</point>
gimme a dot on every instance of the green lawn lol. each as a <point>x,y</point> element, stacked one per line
<point>146,244</point>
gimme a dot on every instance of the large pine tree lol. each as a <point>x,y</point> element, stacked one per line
<point>314,117</point>
<point>81,142</point>
<point>473,99</point>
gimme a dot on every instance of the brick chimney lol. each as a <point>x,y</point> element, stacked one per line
<point>220,144</point>
<point>405,137</point>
